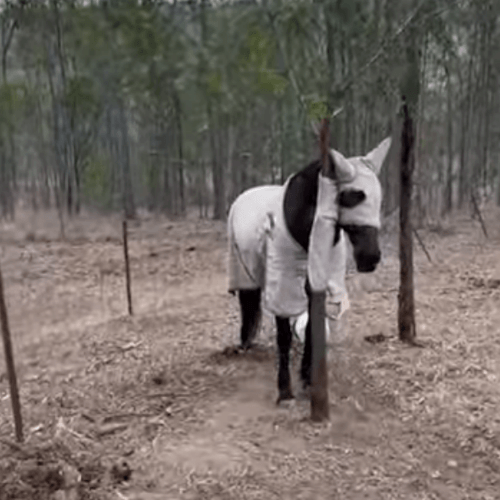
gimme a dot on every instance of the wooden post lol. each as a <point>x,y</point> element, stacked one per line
<point>9,362</point>
<point>127,268</point>
<point>317,313</point>
<point>406,300</point>
<point>319,367</point>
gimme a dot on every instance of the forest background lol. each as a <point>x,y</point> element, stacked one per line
<point>171,105</point>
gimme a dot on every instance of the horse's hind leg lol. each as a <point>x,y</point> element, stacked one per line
<point>250,316</point>
<point>284,344</point>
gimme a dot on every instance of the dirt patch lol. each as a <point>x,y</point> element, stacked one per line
<point>42,471</point>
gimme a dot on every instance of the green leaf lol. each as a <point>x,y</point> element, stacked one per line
<point>317,110</point>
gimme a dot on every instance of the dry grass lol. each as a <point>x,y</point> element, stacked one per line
<point>156,390</point>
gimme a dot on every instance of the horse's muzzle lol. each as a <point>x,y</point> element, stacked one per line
<point>367,263</point>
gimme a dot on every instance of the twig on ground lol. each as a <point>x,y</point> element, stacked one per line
<point>16,447</point>
<point>421,243</point>
<point>61,426</point>
<point>131,345</point>
<point>119,416</point>
<point>106,429</point>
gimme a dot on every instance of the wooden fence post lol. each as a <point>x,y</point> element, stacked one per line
<point>9,362</point>
<point>127,267</point>
<point>319,367</point>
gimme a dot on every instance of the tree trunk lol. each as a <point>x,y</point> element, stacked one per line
<point>217,167</point>
<point>59,173</point>
<point>422,169</point>
<point>8,165</point>
<point>449,140</point>
<point>180,167</point>
<point>486,94</point>
<point>406,310</point>
<point>128,193</point>
<point>464,180</point>
<point>410,89</point>
<point>330,55</point>
<point>217,170</point>
<point>66,148</point>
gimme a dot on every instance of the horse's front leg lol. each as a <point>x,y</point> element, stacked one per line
<point>284,338</point>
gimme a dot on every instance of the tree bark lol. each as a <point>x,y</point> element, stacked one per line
<point>449,141</point>
<point>464,180</point>
<point>180,166</point>
<point>8,165</point>
<point>410,90</point>
<point>406,310</point>
<point>128,193</point>
<point>217,167</point>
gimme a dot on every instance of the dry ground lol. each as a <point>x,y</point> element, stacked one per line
<point>98,387</point>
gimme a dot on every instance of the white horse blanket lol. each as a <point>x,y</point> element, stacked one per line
<point>263,254</point>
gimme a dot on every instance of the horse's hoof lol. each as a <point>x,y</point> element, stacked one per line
<point>287,404</point>
<point>284,396</point>
<point>233,351</point>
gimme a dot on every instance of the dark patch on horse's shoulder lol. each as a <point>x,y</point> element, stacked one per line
<point>308,174</point>
<point>350,198</point>
<point>300,202</point>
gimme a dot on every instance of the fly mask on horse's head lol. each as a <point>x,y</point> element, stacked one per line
<point>359,201</point>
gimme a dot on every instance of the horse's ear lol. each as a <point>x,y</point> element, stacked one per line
<point>344,169</point>
<point>377,156</point>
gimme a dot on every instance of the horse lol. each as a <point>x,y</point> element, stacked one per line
<point>269,237</point>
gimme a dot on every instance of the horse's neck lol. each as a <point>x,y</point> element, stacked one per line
<point>300,203</point>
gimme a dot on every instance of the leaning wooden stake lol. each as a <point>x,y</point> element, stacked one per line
<point>127,267</point>
<point>317,314</point>
<point>406,310</point>
<point>421,243</point>
<point>9,362</point>
<point>478,213</point>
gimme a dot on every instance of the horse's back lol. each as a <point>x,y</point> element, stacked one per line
<point>246,236</point>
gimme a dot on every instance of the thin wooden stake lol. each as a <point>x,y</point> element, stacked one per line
<point>9,362</point>
<point>479,214</point>
<point>320,407</point>
<point>127,268</point>
<point>421,243</point>
<point>406,300</point>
